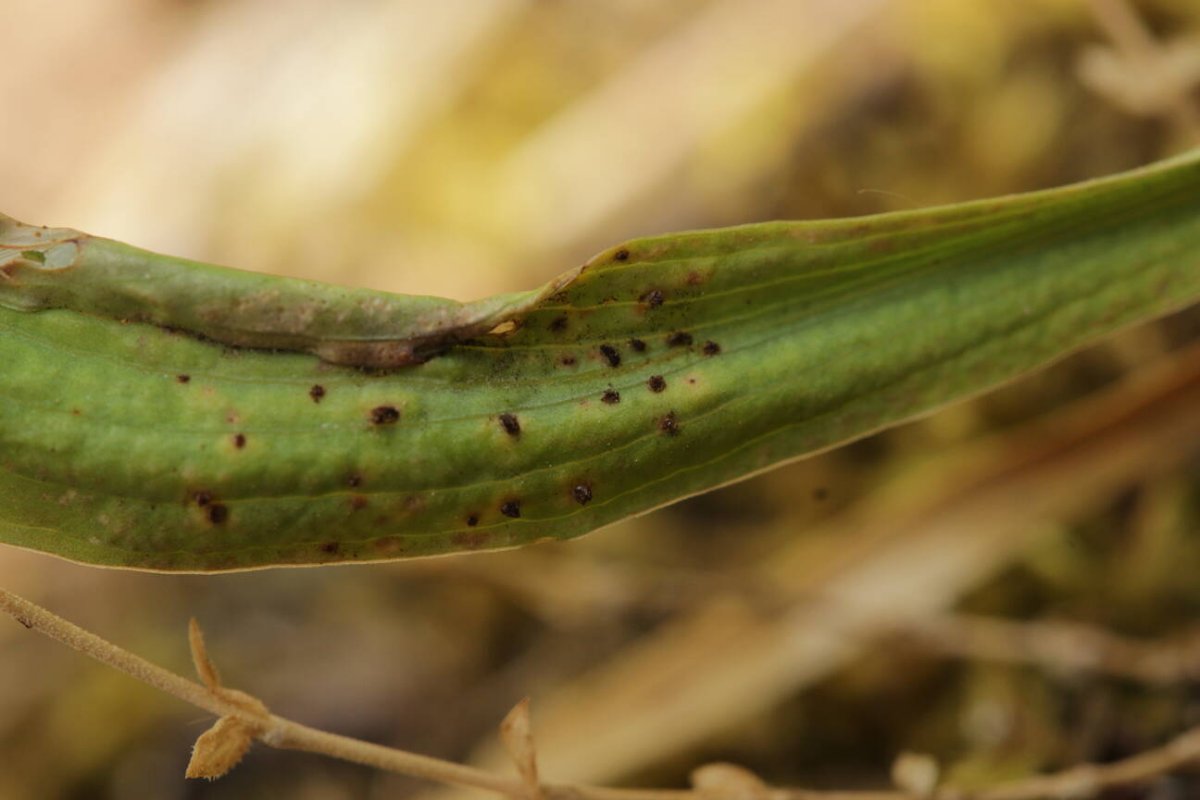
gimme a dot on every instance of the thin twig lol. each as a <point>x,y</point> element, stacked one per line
<point>1061,646</point>
<point>247,714</point>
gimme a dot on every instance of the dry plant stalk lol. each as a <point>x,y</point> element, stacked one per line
<point>243,719</point>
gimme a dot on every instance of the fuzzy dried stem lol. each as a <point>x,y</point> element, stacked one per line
<point>275,731</point>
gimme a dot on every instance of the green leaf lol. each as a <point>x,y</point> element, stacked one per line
<point>162,414</point>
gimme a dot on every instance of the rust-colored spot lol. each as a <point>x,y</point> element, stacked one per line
<point>183,378</point>
<point>330,548</point>
<point>558,324</point>
<point>75,412</point>
<point>511,508</point>
<point>582,493</point>
<point>217,513</point>
<point>711,348</point>
<point>653,298</point>
<point>679,339</point>
<point>470,540</point>
<point>621,255</point>
<point>317,392</point>
<point>388,545</point>
<point>657,383</point>
<point>239,440</point>
<point>638,345</point>
<point>611,397</point>
<point>384,415</point>
<point>695,278</point>
<point>669,424</point>
<point>611,355</point>
<point>510,423</point>
<point>472,520</point>
<point>567,361</point>
<point>358,502</point>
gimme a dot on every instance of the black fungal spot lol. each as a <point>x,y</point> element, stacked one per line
<point>202,498</point>
<point>472,520</point>
<point>668,424</point>
<point>653,298</point>
<point>316,392</point>
<point>568,361</point>
<point>511,509</point>
<point>384,415</point>
<point>621,255</point>
<point>183,378</point>
<point>510,423</point>
<point>711,348</point>
<point>354,480</point>
<point>656,383</point>
<point>330,548</point>
<point>558,324</point>
<point>239,441</point>
<point>679,339</point>
<point>610,353</point>
<point>217,513</point>
<point>611,397</point>
<point>638,345</point>
<point>582,494</point>
<point>820,493</point>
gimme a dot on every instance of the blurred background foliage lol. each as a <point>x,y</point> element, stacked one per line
<point>467,147</point>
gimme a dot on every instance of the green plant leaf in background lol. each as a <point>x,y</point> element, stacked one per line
<point>162,414</point>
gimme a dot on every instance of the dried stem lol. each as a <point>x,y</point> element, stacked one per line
<point>243,716</point>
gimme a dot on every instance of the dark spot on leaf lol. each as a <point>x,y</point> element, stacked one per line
<point>384,415</point>
<point>611,355</point>
<point>653,298</point>
<point>656,383</point>
<point>668,424</point>
<point>202,498</point>
<point>472,520</point>
<point>582,493</point>
<point>330,548</point>
<point>354,480</point>
<point>358,501</point>
<point>316,392</point>
<point>510,423</point>
<point>568,361</point>
<point>820,493</point>
<point>621,255</point>
<point>611,397</point>
<point>217,513</point>
<point>512,508</point>
<point>183,378</point>
<point>558,324</point>
<point>75,412</point>
<point>711,348</point>
<point>638,345</point>
<point>239,441</point>
<point>679,339</point>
